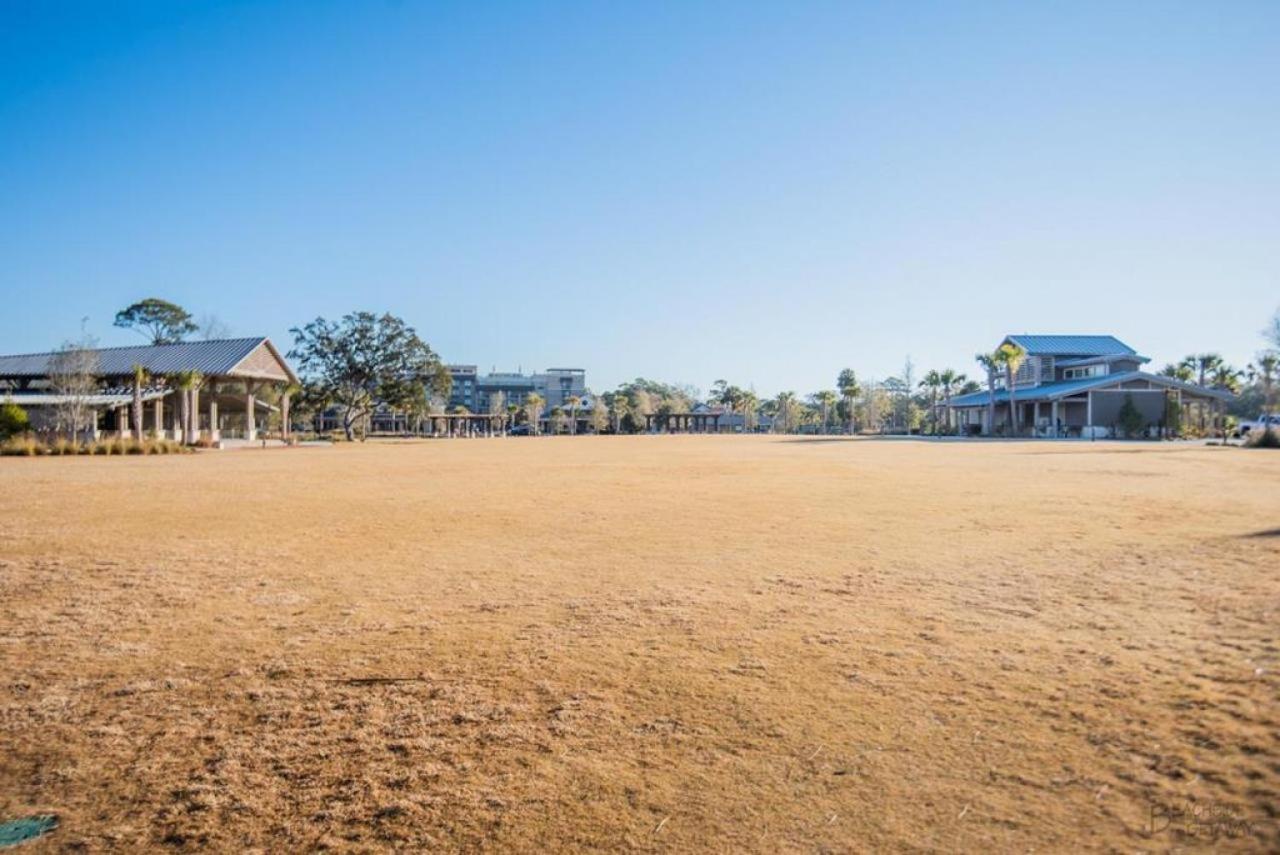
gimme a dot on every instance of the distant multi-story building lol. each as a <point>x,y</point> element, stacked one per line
<point>477,391</point>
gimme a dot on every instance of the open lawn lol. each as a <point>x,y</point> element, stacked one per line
<point>656,643</point>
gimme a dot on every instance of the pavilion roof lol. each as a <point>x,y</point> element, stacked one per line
<point>227,357</point>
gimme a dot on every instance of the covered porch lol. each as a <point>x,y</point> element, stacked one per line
<point>1164,406</point>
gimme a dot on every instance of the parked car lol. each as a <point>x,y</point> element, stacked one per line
<point>521,430</point>
<point>1258,424</point>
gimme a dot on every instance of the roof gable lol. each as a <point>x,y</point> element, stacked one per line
<point>255,358</point>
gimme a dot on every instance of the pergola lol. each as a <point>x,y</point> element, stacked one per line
<point>435,424</point>
<point>230,373</point>
<point>461,424</point>
<point>708,422</point>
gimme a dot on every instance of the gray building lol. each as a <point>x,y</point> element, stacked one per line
<point>477,391</point>
<point>1076,385</point>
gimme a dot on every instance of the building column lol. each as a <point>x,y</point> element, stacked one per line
<point>1088,412</point>
<point>285,429</point>
<point>215,433</point>
<point>1053,416</point>
<point>193,432</point>
<point>250,424</point>
<point>157,417</point>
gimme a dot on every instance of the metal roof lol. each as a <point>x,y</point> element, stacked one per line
<point>1054,391</point>
<point>1071,345</point>
<point>1094,360</point>
<point>215,358</point>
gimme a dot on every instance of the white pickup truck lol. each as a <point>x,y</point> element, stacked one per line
<point>1258,424</point>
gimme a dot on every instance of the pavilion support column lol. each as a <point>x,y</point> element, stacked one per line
<point>157,416</point>
<point>193,429</point>
<point>250,424</point>
<point>1053,415</point>
<point>215,433</point>
<point>285,430</point>
<point>1088,412</point>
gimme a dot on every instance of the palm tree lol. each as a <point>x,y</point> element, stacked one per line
<point>950,382</point>
<point>785,403</point>
<point>512,411</point>
<point>186,381</point>
<point>729,397</point>
<point>574,402</point>
<point>1266,367</point>
<point>932,381</point>
<point>847,383</point>
<point>615,401</point>
<point>533,404</point>
<point>1204,364</point>
<point>140,379</point>
<point>1225,377</point>
<point>748,403</point>
<point>1179,371</point>
<point>990,364</point>
<point>1010,357</point>
<point>826,399</point>
<point>1200,366</point>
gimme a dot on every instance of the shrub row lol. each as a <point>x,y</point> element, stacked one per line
<point>28,446</point>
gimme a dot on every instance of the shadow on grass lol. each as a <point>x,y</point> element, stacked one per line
<point>821,439</point>
<point>1267,532</point>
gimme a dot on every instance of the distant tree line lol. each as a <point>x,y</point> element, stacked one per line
<point>365,361</point>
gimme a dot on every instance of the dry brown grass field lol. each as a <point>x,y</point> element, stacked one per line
<point>653,643</point>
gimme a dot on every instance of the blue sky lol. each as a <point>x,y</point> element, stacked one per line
<point>686,191</point>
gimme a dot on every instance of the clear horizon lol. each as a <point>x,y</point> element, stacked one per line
<point>764,193</point>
